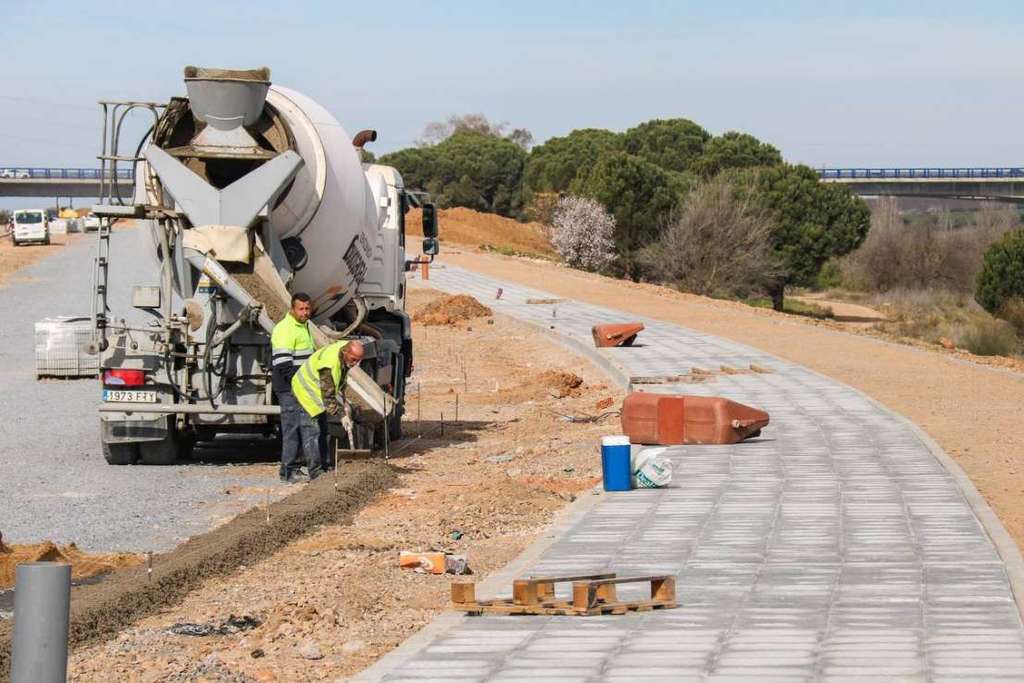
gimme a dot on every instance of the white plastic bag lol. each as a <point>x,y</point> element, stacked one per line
<point>651,469</point>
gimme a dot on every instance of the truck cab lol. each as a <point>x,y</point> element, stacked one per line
<point>31,225</point>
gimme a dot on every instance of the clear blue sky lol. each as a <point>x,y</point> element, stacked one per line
<point>829,83</point>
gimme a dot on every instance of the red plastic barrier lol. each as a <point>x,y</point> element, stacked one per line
<point>616,335</point>
<point>672,420</point>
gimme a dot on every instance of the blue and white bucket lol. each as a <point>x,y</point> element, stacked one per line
<point>615,464</point>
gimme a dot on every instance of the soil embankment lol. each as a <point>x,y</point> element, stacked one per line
<point>101,609</point>
<point>485,230</point>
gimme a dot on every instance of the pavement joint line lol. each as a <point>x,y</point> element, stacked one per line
<point>893,499</point>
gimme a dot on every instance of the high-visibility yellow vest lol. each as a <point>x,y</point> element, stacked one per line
<point>291,342</point>
<point>306,382</point>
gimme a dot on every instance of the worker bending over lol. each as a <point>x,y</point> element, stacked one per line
<point>317,385</point>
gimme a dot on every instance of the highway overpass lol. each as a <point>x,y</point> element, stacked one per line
<point>25,181</point>
<point>995,183</point>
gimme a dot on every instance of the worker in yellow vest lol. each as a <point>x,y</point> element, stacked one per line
<point>291,345</point>
<point>317,385</point>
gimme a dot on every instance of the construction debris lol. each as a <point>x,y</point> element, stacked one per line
<point>230,625</point>
<point>435,562</point>
<point>616,335</point>
<point>592,594</point>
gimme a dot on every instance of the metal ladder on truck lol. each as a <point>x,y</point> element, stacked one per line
<point>100,273</point>
<point>112,204</point>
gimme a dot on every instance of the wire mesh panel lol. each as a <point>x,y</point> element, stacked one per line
<point>60,347</point>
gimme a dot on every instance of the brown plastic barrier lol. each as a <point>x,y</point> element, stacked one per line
<point>673,420</point>
<point>616,335</point>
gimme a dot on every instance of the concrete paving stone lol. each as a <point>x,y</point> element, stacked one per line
<point>879,670</point>
<point>980,670</point>
<point>663,658</point>
<point>759,675</point>
<point>536,676</point>
<point>675,677</point>
<point>836,546</point>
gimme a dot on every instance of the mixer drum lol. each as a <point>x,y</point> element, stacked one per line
<point>326,217</point>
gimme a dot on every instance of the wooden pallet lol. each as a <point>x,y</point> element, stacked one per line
<point>591,594</point>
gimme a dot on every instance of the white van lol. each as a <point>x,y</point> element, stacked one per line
<point>31,225</point>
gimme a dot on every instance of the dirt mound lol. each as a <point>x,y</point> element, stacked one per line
<point>564,383</point>
<point>83,564</point>
<point>451,310</point>
<point>487,230</point>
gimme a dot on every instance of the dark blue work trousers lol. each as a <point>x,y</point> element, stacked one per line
<point>300,431</point>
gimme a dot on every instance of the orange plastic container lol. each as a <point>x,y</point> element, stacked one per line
<point>673,420</point>
<point>432,562</point>
<point>616,335</point>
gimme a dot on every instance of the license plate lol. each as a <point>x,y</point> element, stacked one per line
<point>125,396</point>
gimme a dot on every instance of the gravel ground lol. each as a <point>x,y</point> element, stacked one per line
<point>54,482</point>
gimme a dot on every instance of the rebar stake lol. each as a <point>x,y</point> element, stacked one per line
<point>268,506</point>
<point>149,566</point>
<point>456,407</point>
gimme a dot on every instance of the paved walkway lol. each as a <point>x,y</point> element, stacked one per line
<point>835,547</point>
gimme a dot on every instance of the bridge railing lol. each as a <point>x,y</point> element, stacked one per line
<point>918,173</point>
<point>26,172</point>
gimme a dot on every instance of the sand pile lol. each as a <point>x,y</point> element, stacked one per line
<point>450,310</point>
<point>83,565</point>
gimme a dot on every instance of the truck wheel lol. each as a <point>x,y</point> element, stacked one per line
<point>120,453</point>
<point>163,452</point>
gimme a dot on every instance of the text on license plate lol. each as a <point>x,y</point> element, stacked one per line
<point>125,396</point>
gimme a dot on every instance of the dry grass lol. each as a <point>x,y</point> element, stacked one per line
<point>923,252</point>
<point>486,230</point>
<point>945,318</point>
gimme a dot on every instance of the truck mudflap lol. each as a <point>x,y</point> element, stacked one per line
<point>133,430</point>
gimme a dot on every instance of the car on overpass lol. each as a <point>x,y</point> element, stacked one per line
<point>15,173</point>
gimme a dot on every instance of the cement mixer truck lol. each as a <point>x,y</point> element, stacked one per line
<point>246,192</point>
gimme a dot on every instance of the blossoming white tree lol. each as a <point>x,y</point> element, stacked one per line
<point>582,233</point>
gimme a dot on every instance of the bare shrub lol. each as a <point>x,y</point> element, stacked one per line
<point>989,338</point>
<point>1012,311</point>
<point>718,243</point>
<point>931,254</point>
<point>438,131</point>
<point>582,233</point>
